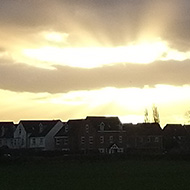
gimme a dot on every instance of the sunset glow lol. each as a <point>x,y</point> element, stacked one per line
<point>62,59</point>
<point>91,57</point>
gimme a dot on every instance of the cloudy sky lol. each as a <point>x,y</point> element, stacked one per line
<point>65,59</point>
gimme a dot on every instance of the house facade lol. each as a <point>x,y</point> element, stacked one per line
<point>95,134</point>
<point>92,135</point>
<point>108,133</point>
<point>176,138</point>
<point>6,134</point>
<point>144,137</point>
<point>149,137</point>
<point>36,134</point>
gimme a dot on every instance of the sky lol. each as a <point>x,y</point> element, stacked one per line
<point>65,59</point>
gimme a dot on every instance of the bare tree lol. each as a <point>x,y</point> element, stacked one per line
<point>146,120</point>
<point>156,116</point>
<point>187,116</point>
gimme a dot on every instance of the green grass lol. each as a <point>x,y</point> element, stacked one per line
<point>90,175</point>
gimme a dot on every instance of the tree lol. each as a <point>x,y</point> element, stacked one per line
<point>187,115</point>
<point>146,120</point>
<point>156,117</point>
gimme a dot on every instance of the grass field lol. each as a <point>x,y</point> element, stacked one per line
<point>97,174</point>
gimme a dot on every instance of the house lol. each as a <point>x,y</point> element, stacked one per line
<point>131,134</point>
<point>36,134</point>
<point>92,135</point>
<point>108,134</point>
<point>176,138</point>
<point>149,137</point>
<point>144,137</point>
<point>6,134</point>
<point>68,137</point>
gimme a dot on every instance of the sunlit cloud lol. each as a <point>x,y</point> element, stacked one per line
<point>53,36</point>
<point>90,57</point>
<point>142,53</point>
<point>176,55</point>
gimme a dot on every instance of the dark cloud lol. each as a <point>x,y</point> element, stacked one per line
<point>20,77</point>
<point>117,22</point>
<point>25,13</point>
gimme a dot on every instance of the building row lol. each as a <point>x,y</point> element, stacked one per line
<point>104,135</point>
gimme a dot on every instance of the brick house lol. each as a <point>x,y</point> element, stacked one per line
<point>149,137</point>
<point>108,134</point>
<point>176,138</point>
<point>94,134</point>
<point>144,137</point>
<point>67,138</point>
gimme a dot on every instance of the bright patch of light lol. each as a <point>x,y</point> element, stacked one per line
<point>90,57</point>
<point>127,103</point>
<point>55,36</point>
<point>132,119</point>
<point>176,55</point>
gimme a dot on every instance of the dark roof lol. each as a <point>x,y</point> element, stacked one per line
<point>187,128</point>
<point>174,130</point>
<point>73,125</point>
<point>149,129</point>
<point>7,129</point>
<point>110,123</point>
<point>130,128</point>
<point>38,128</point>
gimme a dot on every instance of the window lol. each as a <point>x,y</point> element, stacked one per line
<point>41,127</point>
<point>57,141</point>
<point>41,141</point>
<point>33,141</point>
<point>120,127</point>
<point>91,140</point>
<point>87,128</point>
<point>19,131</point>
<point>22,142</point>
<point>120,150</point>
<point>82,140</point>
<point>102,125</point>
<point>66,128</point>
<point>65,140</point>
<point>111,139</point>
<point>156,139</point>
<point>101,150</point>
<point>15,142</point>
<point>120,139</point>
<point>101,139</point>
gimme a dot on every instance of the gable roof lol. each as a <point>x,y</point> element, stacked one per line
<point>174,130</point>
<point>131,129</point>
<point>187,128</point>
<point>145,129</point>
<point>7,129</point>
<point>109,123</point>
<point>73,126</point>
<point>38,128</point>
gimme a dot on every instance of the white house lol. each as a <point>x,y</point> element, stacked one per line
<point>36,134</point>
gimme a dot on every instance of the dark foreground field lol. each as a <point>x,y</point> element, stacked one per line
<point>107,174</point>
